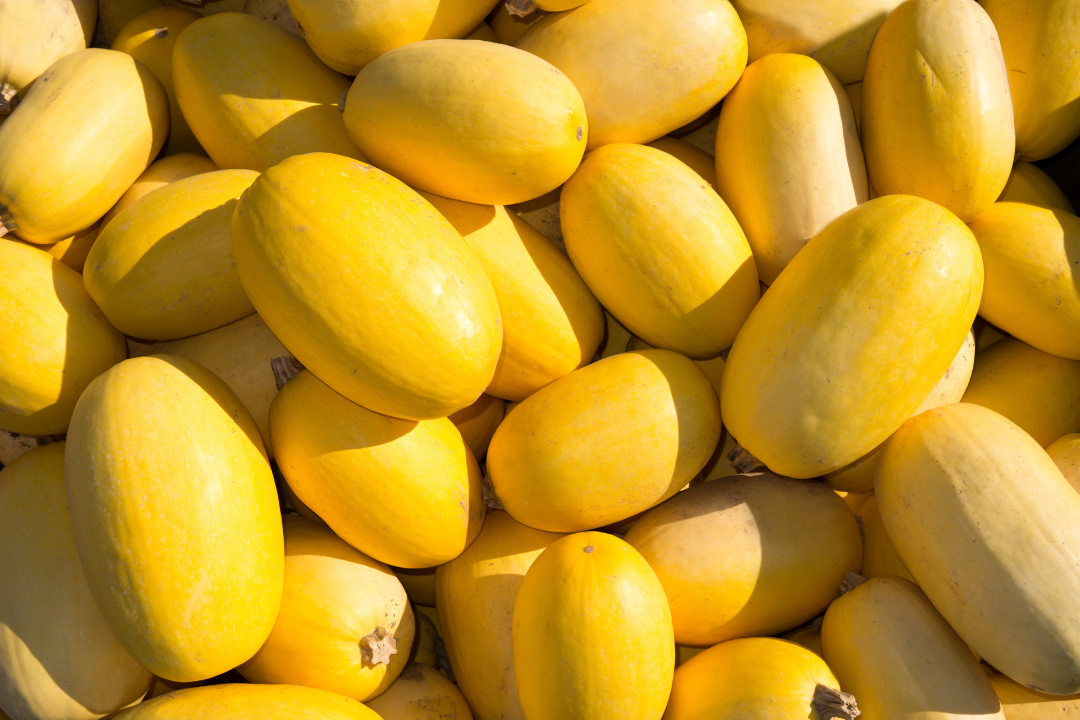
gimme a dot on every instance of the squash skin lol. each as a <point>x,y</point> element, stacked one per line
<point>1065,452</point>
<point>701,162</point>
<point>788,156</point>
<point>777,554</point>
<point>879,555</point>
<point>419,584</point>
<point>58,658</point>
<point>659,249</point>
<point>1021,703</point>
<point>35,35</point>
<point>1028,184</point>
<point>250,702</point>
<point>966,495</point>
<point>477,423</point>
<point>161,172</point>
<point>451,117</point>
<point>368,286</point>
<point>644,38</point>
<point>475,597</point>
<point>1032,286</point>
<point>891,649</point>
<point>558,462</point>
<point>56,342</point>
<point>334,596</point>
<point>787,394</point>
<point>194,602</point>
<point>223,61</point>
<point>164,269</point>
<point>406,493</point>
<point>421,693</point>
<point>509,28</point>
<point>587,597</point>
<point>65,157</point>
<point>949,141</point>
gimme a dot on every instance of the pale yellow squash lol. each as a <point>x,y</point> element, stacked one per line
<point>114,14</point>
<point>421,693</point>
<point>809,636</point>
<point>162,172</point>
<point>854,93</point>
<point>406,493</point>
<point>701,162</point>
<point>476,593</point>
<point>175,516</point>
<point>67,156</point>
<point>1028,184</point>
<point>34,35</point>
<point>748,555</point>
<point>605,442</point>
<point>659,249</point>
<point>1065,452</point>
<point>58,658</point>
<point>879,555</point>
<point>1021,703</point>
<point>54,340</point>
<point>250,702</point>
<point>788,160</point>
<point>713,367</point>
<point>477,423</point>
<point>937,121</point>
<point>989,528</point>
<point>1032,259</point>
<point>588,599</point>
<point>852,336</point>
<point>368,285</point>
<point>509,28</point>
<point>72,251</point>
<point>482,31</point>
<point>163,268</point>
<point>891,649</point>
<point>254,94</point>
<point>986,334</point>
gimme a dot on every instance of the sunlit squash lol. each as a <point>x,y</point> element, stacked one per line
<point>1028,184</point>
<point>34,35</point>
<point>477,423</point>
<point>240,701</point>
<point>161,172</point>
<point>1021,703</point>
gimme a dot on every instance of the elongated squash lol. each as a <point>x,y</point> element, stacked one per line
<point>1028,184</point>
<point>966,495</point>
<point>1021,703</point>
<point>477,423</point>
<point>250,702</point>
<point>114,14</point>
<point>34,35</point>
<point>58,657</point>
<point>1065,452</point>
<point>53,342</point>
<point>937,120</point>
<point>162,172</point>
<point>68,156</point>
<point>164,269</point>
<point>427,640</point>
<point>175,516</point>
<point>659,248</point>
<point>421,693</point>
<point>589,598</point>
<point>891,649</point>
<point>72,251</point>
<point>406,493</point>
<point>854,93</point>
<point>748,555</point>
<point>254,94</point>
<point>879,555</point>
<point>788,156</point>
<point>809,636</point>
<point>476,593</point>
<point>616,337</point>
<point>368,285</point>
<point>701,162</point>
<point>559,461</point>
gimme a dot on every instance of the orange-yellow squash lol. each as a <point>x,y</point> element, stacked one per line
<point>164,269</point>
<point>419,584</point>
<point>659,249</point>
<point>421,693</point>
<point>643,67</point>
<point>368,286</point>
<point>967,496</point>
<point>1065,452</point>
<point>72,251</point>
<point>406,493</point>
<point>605,442</point>
<point>58,658</point>
<point>34,35</point>
<point>477,423</point>
<point>879,555</point>
<point>588,600</point>
<point>788,160</point>
<point>1028,184</point>
<point>809,636</point>
<point>175,516</point>
<point>475,593</point>
<point>53,341</point>
<point>254,94</point>
<point>250,702</point>
<point>1021,703</point>
<point>748,555</point>
<point>701,162</point>
<point>937,120</point>
<point>162,172</point>
<point>852,336</point>
<point>87,128</point>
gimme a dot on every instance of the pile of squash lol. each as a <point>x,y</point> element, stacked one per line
<point>417,359</point>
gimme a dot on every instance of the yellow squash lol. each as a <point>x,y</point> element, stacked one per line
<point>1065,452</point>
<point>879,555</point>
<point>476,593</point>
<point>163,268</point>
<point>616,337</point>
<point>854,93</point>
<point>701,162</point>
<point>58,658</point>
<point>891,649</point>
<point>809,636</point>
<point>175,516</point>
<point>659,248</point>
<point>345,624</point>
<point>368,285</point>
<point>114,14</point>
<point>1032,259</point>
<point>788,160</point>
<point>34,35</point>
<point>54,340</point>
<point>937,121</point>
<point>852,336</point>
<point>605,442</point>
<point>406,493</point>
<point>552,324</point>
<point>162,172</point>
<point>990,530</point>
<point>425,645</point>
<point>1028,184</point>
<point>854,500</point>
<point>469,120</point>
<point>250,702</point>
<point>592,633</point>
<point>748,555</point>
<point>477,423</point>
<point>1021,703</point>
<point>254,94</point>
<point>85,131</point>
<point>419,584</point>
<point>482,31</point>
<point>643,67</point>
<point>72,251</point>
<point>421,693</point>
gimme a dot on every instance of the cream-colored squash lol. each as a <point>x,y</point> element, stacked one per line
<point>1028,184</point>
<point>1021,703</point>
<point>477,423</point>
<point>34,35</point>
<point>162,172</point>
<point>421,693</point>
<point>241,701</point>
<point>879,555</point>
<point>1065,452</point>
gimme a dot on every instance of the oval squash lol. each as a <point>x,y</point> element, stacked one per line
<point>1065,452</point>
<point>162,172</point>
<point>419,584</point>
<point>250,702</point>
<point>809,636</point>
<point>425,645</point>
<point>477,423</point>
<point>879,555</point>
<point>72,251</point>
<point>34,35</point>
<point>1021,703</point>
<point>421,693</point>
<point>1028,184</point>
<point>701,162</point>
